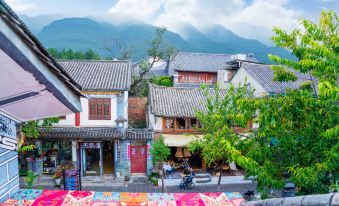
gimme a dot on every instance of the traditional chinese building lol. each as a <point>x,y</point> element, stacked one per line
<point>98,140</point>
<point>194,69</point>
<point>259,77</point>
<point>171,114</point>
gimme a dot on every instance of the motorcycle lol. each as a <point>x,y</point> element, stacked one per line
<point>187,180</point>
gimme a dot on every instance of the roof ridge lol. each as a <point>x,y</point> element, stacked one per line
<point>205,53</point>
<point>93,60</point>
<point>179,88</point>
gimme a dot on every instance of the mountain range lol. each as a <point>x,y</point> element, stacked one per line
<point>107,39</point>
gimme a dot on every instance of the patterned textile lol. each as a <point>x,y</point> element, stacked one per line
<point>77,198</point>
<point>220,200</point>
<point>236,198</point>
<point>12,202</point>
<point>107,196</point>
<point>28,194</point>
<point>161,199</point>
<point>188,199</point>
<point>51,197</point>
<point>88,198</point>
<point>133,199</point>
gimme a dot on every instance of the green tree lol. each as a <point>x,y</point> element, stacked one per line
<point>30,131</point>
<point>160,151</point>
<point>162,81</point>
<point>297,138</point>
<point>219,144</point>
<point>69,54</point>
<point>157,50</point>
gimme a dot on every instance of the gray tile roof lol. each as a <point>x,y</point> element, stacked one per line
<point>204,62</point>
<point>99,75</point>
<point>264,74</point>
<point>94,133</point>
<point>177,102</point>
<point>308,200</point>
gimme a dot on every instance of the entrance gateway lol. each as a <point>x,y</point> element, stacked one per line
<point>97,158</point>
<point>138,157</point>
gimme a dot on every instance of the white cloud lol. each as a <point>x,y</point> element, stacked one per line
<point>143,10</point>
<point>268,13</point>
<point>201,13</point>
<point>20,5</point>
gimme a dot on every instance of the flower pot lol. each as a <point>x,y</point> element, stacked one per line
<point>57,181</point>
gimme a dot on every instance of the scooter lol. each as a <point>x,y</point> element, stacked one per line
<point>187,180</point>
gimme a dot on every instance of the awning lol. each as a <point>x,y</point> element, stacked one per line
<point>179,140</point>
<point>32,84</point>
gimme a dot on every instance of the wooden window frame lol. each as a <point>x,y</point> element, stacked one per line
<point>188,127</point>
<point>96,102</point>
<point>164,128</point>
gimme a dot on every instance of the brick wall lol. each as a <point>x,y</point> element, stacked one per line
<point>137,109</point>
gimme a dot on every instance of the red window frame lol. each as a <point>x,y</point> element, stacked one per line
<point>99,109</point>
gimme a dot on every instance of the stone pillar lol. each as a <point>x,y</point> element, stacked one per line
<point>74,153</point>
<point>149,157</point>
<point>122,160</point>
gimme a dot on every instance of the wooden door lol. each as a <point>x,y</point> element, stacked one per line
<point>138,159</point>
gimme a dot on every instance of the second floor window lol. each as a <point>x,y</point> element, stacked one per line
<point>180,124</point>
<point>100,109</point>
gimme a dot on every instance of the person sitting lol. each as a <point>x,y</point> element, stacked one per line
<point>168,169</point>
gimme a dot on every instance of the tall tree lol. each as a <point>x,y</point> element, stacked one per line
<point>220,140</point>
<point>157,50</point>
<point>298,135</point>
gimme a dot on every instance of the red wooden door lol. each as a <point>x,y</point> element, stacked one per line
<point>138,159</point>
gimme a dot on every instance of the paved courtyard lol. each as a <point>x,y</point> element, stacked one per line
<point>118,185</point>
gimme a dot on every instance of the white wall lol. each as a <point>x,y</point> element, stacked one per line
<point>241,76</point>
<point>221,79</point>
<point>154,122</point>
<point>84,115</point>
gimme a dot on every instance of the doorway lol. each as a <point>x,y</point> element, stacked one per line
<point>108,157</point>
<point>138,157</point>
<point>91,158</point>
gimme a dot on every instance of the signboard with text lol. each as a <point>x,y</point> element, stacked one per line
<point>91,145</point>
<point>7,134</point>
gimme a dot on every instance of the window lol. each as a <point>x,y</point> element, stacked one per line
<point>100,109</point>
<point>180,124</point>
<point>169,123</point>
<point>193,124</point>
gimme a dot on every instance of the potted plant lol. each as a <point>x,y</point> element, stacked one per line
<point>57,178</point>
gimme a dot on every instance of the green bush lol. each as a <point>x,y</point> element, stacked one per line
<point>160,151</point>
<point>29,179</point>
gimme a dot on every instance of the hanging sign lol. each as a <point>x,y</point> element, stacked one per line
<point>7,134</point>
<point>91,145</point>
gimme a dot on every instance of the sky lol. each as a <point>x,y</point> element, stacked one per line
<point>244,17</point>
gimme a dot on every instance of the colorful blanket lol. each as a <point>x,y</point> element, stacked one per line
<point>89,198</point>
